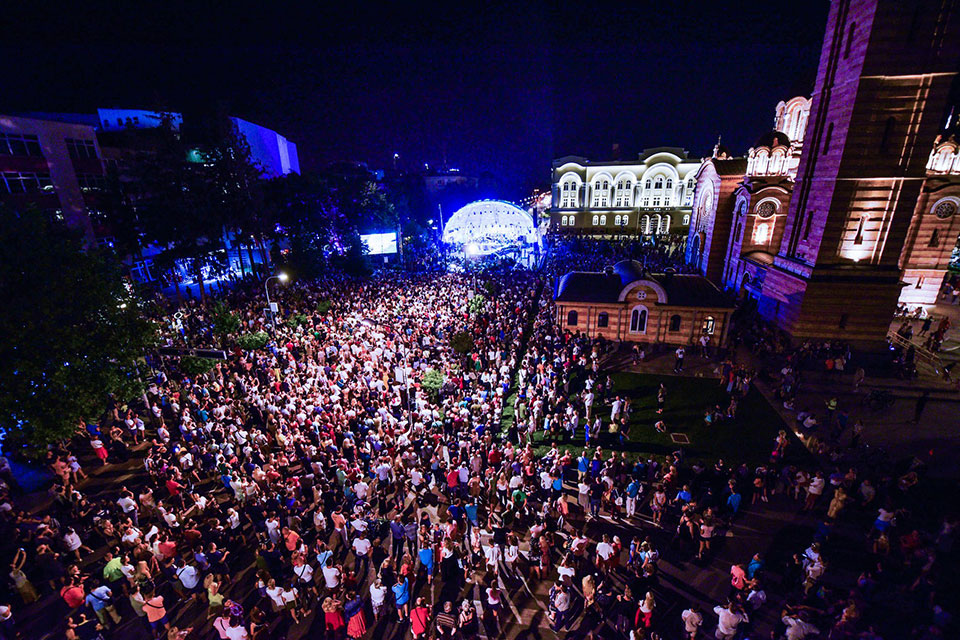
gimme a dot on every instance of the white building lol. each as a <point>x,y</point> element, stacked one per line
<point>650,196</point>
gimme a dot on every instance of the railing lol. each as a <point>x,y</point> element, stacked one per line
<point>922,357</point>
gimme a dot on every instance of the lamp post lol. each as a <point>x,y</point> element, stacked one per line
<point>282,277</point>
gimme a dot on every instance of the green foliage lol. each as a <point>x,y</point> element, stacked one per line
<point>432,382</point>
<point>253,341</point>
<point>225,321</point>
<point>491,288</point>
<point>462,343</point>
<point>476,304</point>
<point>71,331</point>
<point>324,306</point>
<point>298,319</point>
<point>194,366</point>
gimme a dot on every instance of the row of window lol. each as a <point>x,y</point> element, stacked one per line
<point>15,144</point>
<point>648,224</point>
<point>638,321</point>
<point>21,182</point>
<point>660,190</point>
<point>81,148</point>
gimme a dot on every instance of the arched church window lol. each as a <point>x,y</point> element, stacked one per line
<point>572,319</point>
<point>638,319</point>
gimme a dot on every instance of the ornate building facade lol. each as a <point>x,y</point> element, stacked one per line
<point>844,209</point>
<point>650,196</point>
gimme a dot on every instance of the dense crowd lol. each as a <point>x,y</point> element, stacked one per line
<point>334,479</point>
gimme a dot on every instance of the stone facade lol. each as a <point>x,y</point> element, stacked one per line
<point>871,217</point>
<point>646,197</point>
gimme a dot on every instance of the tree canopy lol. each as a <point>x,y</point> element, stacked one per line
<point>71,334</point>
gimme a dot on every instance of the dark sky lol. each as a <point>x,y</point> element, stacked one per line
<point>502,88</point>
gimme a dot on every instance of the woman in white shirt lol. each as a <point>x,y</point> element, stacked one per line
<point>378,595</point>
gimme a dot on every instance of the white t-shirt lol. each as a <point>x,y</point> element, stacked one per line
<point>304,572</point>
<point>605,550</point>
<point>331,577</point>
<point>377,594</point>
<point>275,594</point>
<point>361,546</point>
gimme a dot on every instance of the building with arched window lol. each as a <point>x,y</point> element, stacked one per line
<point>625,303</point>
<point>852,204</point>
<point>652,195</point>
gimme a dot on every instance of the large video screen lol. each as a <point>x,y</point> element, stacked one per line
<point>380,243</point>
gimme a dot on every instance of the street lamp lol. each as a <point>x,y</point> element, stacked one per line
<point>282,277</point>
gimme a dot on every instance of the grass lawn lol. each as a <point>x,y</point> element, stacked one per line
<point>747,438</point>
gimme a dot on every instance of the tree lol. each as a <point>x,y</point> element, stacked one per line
<point>462,343</point>
<point>72,331</point>
<point>225,321</point>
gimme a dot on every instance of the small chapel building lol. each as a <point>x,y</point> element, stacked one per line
<point>624,303</point>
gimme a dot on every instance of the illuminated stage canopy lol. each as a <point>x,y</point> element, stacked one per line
<point>489,226</point>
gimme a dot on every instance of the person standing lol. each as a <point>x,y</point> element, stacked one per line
<point>678,365</point>
<point>730,617</point>
<point>692,619</point>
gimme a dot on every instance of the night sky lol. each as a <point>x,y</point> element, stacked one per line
<point>503,89</point>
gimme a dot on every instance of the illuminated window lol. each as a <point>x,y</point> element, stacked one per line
<point>709,324</point>
<point>762,234</point>
<point>563,221</point>
<point>596,220</point>
<point>686,220</point>
<point>617,221</point>
<point>625,220</point>
<point>603,220</point>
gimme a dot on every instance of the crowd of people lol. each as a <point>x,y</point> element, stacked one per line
<point>426,455</point>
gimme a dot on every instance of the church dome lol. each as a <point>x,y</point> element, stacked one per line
<point>629,271</point>
<point>772,139</point>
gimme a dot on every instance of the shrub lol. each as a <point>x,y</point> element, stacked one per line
<point>253,341</point>
<point>462,342</point>
<point>432,382</point>
<point>476,304</point>
<point>298,319</point>
<point>324,306</point>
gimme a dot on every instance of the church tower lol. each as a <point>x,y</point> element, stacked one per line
<point>886,70</point>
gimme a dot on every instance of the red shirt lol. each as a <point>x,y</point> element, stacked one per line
<point>73,596</point>
<point>173,487</point>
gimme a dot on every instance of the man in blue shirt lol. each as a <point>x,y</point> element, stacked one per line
<point>100,599</point>
<point>684,495</point>
<point>633,490</point>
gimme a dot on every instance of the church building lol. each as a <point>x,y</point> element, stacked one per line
<point>625,303</point>
<point>850,205</point>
